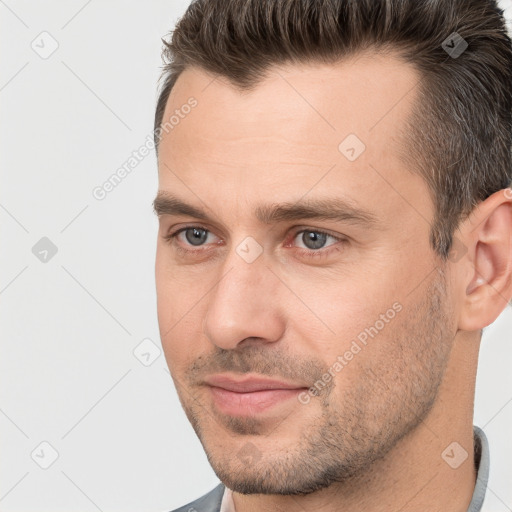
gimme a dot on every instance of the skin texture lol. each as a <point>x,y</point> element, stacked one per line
<point>374,435</point>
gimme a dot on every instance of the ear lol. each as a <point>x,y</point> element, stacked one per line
<point>485,271</point>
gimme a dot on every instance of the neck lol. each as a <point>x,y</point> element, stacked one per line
<point>419,473</point>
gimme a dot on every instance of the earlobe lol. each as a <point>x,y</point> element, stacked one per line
<point>488,236</point>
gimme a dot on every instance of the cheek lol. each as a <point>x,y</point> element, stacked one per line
<point>177,291</point>
<point>353,322</point>
<point>339,306</point>
<point>180,315</point>
<point>179,342</point>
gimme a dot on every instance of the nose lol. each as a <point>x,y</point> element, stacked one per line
<point>244,304</point>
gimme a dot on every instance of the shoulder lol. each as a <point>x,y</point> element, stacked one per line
<point>210,502</point>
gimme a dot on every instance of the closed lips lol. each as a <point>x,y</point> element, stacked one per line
<point>249,385</point>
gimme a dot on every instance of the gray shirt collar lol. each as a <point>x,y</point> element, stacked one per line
<point>482,469</point>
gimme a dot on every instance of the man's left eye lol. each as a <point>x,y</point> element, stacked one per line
<point>313,239</point>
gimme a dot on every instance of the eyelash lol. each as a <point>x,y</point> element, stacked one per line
<point>308,253</point>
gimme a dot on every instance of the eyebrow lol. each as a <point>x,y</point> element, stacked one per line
<point>335,209</point>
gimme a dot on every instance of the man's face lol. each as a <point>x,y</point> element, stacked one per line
<point>351,312</point>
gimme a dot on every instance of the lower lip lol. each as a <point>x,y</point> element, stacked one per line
<point>240,404</point>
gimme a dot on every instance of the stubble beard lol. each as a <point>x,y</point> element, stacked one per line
<point>355,429</point>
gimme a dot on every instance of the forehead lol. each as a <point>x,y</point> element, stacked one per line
<point>285,135</point>
<point>356,94</point>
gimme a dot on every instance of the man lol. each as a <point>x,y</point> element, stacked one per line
<point>335,231</point>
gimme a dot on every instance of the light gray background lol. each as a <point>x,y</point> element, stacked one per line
<point>70,325</point>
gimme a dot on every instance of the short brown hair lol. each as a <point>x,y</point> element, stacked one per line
<point>459,135</point>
